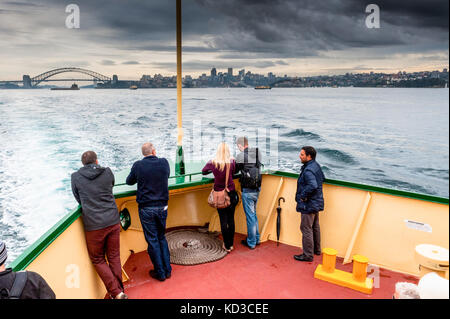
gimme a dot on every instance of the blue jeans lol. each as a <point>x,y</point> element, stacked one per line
<point>153,220</point>
<point>249,200</point>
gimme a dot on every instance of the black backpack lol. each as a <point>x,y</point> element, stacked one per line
<point>17,288</point>
<point>251,177</point>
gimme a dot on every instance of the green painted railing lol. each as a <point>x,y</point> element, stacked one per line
<point>369,188</point>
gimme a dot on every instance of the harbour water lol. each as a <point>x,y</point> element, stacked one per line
<point>394,138</point>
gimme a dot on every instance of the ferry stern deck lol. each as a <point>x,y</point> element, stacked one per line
<point>267,272</point>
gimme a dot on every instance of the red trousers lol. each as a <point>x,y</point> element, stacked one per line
<point>103,242</point>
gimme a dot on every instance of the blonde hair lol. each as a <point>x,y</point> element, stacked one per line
<point>222,156</point>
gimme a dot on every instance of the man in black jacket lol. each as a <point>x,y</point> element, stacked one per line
<point>309,198</point>
<point>21,285</point>
<point>152,177</point>
<point>92,187</point>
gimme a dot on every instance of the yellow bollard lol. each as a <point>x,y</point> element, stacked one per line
<point>356,280</point>
<point>360,268</point>
<point>329,259</point>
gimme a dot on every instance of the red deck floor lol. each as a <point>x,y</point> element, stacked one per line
<point>267,272</point>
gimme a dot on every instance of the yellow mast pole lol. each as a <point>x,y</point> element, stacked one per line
<point>179,165</point>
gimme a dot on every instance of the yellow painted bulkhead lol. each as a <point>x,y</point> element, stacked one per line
<point>354,222</point>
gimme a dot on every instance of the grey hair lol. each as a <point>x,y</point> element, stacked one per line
<point>147,149</point>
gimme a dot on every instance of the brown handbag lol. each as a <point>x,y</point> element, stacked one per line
<point>220,199</point>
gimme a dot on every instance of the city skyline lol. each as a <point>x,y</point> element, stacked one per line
<point>243,78</point>
<point>296,38</point>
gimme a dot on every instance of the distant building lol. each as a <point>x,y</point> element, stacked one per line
<point>230,72</point>
<point>213,72</point>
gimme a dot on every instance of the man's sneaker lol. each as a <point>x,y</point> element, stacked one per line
<point>244,242</point>
<point>154,275</point>
<point>121,295</point>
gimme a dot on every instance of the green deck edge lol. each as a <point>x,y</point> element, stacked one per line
<point>369,188</point>
<point>32,252</point>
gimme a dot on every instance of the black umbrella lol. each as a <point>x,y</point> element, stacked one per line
<point>279,218</point>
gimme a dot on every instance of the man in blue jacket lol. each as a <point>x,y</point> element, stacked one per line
<point>152,177</point>
<point>309,198</point>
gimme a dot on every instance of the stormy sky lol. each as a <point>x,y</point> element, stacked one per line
<point>294,37</point>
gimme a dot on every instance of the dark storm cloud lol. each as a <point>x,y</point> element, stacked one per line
<point>276,28</point>
<point>219,64</point>
<point>301,28</point>
<point>171,48</point>
<point>130,62</point>
<point>246,32</point>
<point>419,13</point>
<point>21,4</point>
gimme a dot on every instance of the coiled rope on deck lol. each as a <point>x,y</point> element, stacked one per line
<point>191,247</point>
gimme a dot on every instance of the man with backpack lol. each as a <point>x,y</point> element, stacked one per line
<point>23,284</point>
<point>248,162</point>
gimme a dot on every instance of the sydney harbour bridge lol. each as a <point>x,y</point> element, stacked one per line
<point>30,82</point>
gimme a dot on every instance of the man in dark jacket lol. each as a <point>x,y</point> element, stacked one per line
<point>92,187</point>
<point>21,285</point>
<point>152,177</point>
<point>309,198</point>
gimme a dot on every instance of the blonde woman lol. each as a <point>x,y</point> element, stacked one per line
<point>218,166</point>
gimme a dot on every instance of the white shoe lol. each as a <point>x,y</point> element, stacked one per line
<point>227,250</point>
<point>121,295</point>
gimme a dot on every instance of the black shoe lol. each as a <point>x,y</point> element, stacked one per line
<point>257,244</point>
<point>168,275</point>
<point>153,274</point>
<point>244,242</point>
<point>302,258</point>
<point>317,253</point>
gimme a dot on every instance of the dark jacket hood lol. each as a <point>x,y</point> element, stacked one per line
<point>91,171</point>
